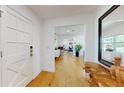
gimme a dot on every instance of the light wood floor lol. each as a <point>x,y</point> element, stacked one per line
<point>69,73</point>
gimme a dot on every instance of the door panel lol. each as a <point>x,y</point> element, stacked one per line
<point>16,62</point>
<point>11,20</point>
<point>11,35</point>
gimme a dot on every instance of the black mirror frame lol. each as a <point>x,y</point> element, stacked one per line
<point>107,63</point>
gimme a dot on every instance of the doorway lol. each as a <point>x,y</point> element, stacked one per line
<point>67,37</point>
<point>69,68</point>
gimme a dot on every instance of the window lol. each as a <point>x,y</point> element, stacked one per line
<point>119,43</point>
<point>108,43</point>
<point>114,43</point>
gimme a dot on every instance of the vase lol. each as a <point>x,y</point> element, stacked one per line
<point>77,54</point>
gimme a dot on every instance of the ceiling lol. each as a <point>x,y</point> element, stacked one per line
<point>54,11</point>
<point>69,30</point>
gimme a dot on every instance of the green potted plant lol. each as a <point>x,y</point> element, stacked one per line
<point>78,47</point>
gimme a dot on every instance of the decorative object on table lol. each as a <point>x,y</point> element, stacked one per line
<point>117,61</point>
<point>78,47</point>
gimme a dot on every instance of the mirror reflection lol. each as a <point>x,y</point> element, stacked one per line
<point>113,35</point>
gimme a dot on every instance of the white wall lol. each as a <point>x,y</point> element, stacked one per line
<point>62,38</point>
<point>36,28</point>
<point>49,25</point>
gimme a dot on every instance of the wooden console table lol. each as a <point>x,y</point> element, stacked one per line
<point>101,76</point>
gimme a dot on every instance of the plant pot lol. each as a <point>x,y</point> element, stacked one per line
<point>77,54</point>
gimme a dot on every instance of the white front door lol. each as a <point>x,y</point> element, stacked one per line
<point>16,41</point>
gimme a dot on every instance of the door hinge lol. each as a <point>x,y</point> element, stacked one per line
<point>1,54</point>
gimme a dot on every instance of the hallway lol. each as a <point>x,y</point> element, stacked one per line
<point>69,73</point>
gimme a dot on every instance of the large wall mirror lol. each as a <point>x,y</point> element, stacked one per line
<point>111,35</point>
